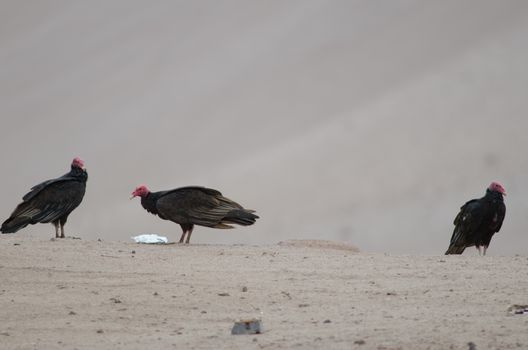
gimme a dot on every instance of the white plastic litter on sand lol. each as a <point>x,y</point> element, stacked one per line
<point>150,239</point>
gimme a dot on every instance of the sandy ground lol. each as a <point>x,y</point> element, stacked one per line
<point>79,294</point>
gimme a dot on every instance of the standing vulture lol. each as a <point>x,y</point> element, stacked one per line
<point>193,205</point>
<point>478,220</point>
<point>51,201</point>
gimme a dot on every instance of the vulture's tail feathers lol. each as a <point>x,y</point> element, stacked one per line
<point>453,249</point>
<point>13,224</point>
<point>242,217</point>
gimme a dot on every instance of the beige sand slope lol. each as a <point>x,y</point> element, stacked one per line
<point>368,122</point>
<point>76,294</point>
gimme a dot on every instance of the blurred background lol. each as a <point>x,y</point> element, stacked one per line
<point>369,122</point>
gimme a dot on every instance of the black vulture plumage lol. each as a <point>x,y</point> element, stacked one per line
<point>478,220</point>
<point>50,201</point>
<point>194,205</point>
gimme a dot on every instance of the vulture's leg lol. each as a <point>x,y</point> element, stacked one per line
<point>187,230</point>
<point>480,250</point>
<point>189,234</point>
<point>182,238</point>
<point>56,224</point>
<point>184,232</point>
<point>484,250</point>
<point>62,222</point>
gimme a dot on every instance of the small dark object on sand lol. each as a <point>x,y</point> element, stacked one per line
<point>252,326</point>
<point>518,309</point>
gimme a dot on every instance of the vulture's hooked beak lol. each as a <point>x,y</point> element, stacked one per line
<point>132,197</point>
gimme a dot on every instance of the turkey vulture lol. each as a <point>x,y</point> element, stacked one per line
<point>478,220</point>
<point>194,205</point>
<point>51,201</point>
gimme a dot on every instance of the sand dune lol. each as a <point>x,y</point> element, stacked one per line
<point>352,121</point>
<point>78,294</point>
